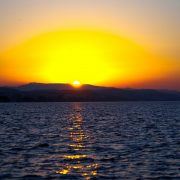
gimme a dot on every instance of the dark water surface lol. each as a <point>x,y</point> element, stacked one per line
<point>125,140</point>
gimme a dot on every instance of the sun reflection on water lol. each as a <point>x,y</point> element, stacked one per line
<point>81,162</point>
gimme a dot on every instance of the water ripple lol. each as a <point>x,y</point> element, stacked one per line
<point>125,140</point>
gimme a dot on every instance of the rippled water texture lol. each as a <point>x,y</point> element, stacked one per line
<point>126,140</point>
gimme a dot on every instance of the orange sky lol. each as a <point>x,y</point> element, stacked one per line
<point>111,43</point>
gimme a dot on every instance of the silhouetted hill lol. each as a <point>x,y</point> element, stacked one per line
<point>38,92</point>
<point>54,86</point>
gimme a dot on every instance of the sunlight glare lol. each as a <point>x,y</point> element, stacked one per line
<point>76,83</point>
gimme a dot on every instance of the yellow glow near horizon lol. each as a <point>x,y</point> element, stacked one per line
<point>92,57</point>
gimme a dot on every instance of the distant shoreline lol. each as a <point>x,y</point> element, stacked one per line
<point>88,101</point>
<point>37,92</point>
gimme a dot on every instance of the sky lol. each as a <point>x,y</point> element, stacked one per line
<point>122,43</point>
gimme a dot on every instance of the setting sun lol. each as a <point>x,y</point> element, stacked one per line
<point>76,83</point>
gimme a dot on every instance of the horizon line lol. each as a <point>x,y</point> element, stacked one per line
<point>70,84</point>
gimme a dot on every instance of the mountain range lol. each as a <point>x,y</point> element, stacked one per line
<point>39,92</point>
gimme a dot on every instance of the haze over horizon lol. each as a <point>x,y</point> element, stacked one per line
<point>114,43</point>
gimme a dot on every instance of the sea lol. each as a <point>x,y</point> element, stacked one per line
<point>90,140</point>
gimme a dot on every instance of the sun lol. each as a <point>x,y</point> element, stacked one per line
<point>76,84</point>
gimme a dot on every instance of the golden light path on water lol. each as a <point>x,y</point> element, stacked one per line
<point>81,162</point>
